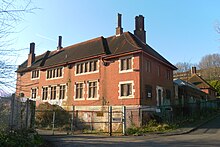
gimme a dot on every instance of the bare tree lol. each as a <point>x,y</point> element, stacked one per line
<point>183,66</point>
<point>210,65</point>
<point>11,14</point>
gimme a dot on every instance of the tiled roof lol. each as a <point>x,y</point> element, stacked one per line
<point>200,82</point>
<point>114,45</point>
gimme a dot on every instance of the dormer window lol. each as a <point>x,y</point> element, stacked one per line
<point>35,74</point>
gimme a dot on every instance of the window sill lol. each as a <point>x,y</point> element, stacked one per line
<point>126,71</point>
<point>126,97</point>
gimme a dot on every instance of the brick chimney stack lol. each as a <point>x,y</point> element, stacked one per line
<point>193,70</point>
<point>59,43</point>
<point>31,55</point>
<point>119,29</point>
<point>139,28</point>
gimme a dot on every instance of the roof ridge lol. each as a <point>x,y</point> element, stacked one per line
<point>84,42</point>
<point>130,34</point>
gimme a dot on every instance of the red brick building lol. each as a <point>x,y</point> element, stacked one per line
<point>114,71</point>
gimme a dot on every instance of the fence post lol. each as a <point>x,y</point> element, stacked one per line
<point>12,111</point>
<point>124,120</point>
<point>53,123</point>
<point>76,118</point>
<point>110,120</point>
<point>27,111</point>
<point>72,118</point>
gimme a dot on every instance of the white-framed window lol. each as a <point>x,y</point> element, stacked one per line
<point>62,93</point>
<point>126,89</point>
<point>126,64</point>
<point>53,92</point>
<point>92,89</point>
<point>79,91</point>
<point>55,73</point>
<point>33,93</point>
<point>35,74</point>
<point>87,67</point>
<point>44,93</point>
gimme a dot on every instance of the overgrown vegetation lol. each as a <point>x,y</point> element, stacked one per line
<point>44,117</point>
<point>20,138</point>
<point>152,126</point>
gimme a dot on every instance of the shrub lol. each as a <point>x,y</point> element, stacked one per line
<point>20,138</point>
<point>44,117</point>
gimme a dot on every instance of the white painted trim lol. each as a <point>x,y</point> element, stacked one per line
<point>47,93</point>
<point>96,98</point>
<point>74,97</point>
<point>55,77</point>
<point>132,64</point>
<point>37,77</point>
<point>119,89</point>
<point>65,93</point>
<point>159,88</point>
<point>86,73</point>
<point>34,99</point>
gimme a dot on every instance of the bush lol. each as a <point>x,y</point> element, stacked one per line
<point>44,117</point>
<point>152,126</point>
<point>20,138</point>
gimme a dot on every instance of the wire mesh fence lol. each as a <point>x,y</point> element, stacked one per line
<point>16,113</point>
<point>107,120</point>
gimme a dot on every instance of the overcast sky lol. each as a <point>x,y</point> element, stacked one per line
<point>181,31</point>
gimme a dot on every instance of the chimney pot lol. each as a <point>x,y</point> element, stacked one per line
<point>59,43</point>
<point>119,29</point>
<point>193,70</point>
<point>31,55</point>
<point>139,28</point>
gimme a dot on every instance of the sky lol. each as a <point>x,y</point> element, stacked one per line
<point>181,31</point>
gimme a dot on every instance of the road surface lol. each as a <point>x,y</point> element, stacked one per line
<point>207,135</point>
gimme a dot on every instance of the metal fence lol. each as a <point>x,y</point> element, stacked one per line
<point>108,120</point>
<point>116,119</point>
<point>16,113</point>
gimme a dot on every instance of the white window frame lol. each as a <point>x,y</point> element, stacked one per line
<point>88,72</point>
<point>52,73</point>
<point>83,93</point>
<point>132,64</point>
<point>97,96</point>
<point>32,74</point>
<point>119,91</point>
<point>65,92</point>
<point>48,92</point>
<point>36,93</point>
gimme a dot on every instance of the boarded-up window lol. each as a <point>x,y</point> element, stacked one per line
<point>148,91</point>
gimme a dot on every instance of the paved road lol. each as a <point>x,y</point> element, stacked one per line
<point>207,135</point>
